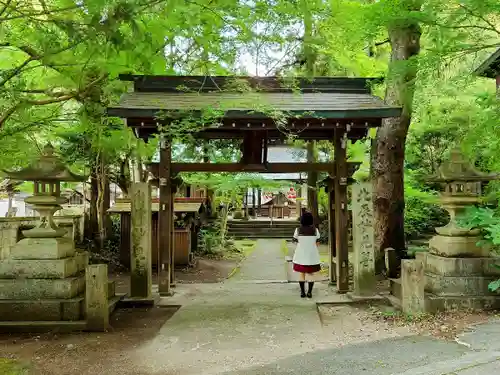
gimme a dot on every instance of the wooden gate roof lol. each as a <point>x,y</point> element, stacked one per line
<point>312,107</point>
<point>490,68</point>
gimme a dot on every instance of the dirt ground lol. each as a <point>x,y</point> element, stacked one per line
<point>47,354</point>
<point>446,325</point>
<point>205,270</point>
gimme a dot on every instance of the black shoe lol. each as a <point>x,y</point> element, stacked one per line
<point>302,285</point>
<point>310,286</point>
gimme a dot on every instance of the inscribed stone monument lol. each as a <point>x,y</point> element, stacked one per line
<point>363,239</point>
<point>140,240</point>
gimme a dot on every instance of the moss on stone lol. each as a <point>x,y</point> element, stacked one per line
<point>365,282</point>
<point>12,367</point>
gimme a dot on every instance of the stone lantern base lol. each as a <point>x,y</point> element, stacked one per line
<point>457,274</point>
<point>43,280</point>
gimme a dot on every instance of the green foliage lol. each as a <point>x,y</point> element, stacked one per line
<point>485,219</point>
<point>210,241</point>
<point>422,214</point>
<point>110,253</point>
<point>12,367</point>
<point>488,221</point>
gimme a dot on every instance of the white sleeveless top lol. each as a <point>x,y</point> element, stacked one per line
<point>306,252</point>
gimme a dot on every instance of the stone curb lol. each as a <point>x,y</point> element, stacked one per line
<point>467,361</point>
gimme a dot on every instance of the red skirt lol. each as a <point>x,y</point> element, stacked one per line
<point>306,269</point>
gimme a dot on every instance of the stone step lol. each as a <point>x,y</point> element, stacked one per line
<point>252,227</point>
<point>42,310</point>
<point>36,289</point>
<point>113,302</point>
<point>42,326</point>
<point>446,303</point>
<point>394,301</point>
<point>257,236</point>
<point>258,232</point>
<point>282,230</point>
<point>395,288</point>
<point>258,223</point>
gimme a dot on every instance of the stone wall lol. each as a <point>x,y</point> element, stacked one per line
<point>11,227</point>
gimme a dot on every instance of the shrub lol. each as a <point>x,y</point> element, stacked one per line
<point>422,214</point>
<point>488,221</point>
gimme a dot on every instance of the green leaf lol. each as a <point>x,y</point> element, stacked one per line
<point>494,285</point>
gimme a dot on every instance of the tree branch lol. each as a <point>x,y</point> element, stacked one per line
<point>481,17</point>
<point>40,13</point>
<point>8,113</point>
<point>77,95</point>
<point>377,44</point>
<point>14,72</point>
<point>5,6</point>
<point>33,56</point>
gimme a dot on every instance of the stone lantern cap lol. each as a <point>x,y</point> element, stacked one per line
<point>48,167</point>
<point>459,169</point>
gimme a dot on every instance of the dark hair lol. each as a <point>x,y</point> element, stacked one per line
<point>307,219</point>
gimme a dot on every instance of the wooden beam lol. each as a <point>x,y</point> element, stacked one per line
<point>165,219</point>
<point>356,133</point>
<point>266,168</point>
<point>332,251</point>
<point>341,213</point>
<point>172,240</point>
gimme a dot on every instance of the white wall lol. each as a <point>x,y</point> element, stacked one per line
<point>18,202</point>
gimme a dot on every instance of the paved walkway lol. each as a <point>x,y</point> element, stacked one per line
<point>266,262</point>
<point>228,327</point>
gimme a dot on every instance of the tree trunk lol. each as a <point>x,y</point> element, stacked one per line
<point>254,203</point>
<point>312,182</point>
<point>123,178</point>
<point>108,223</point>
<point>92,226</point>
<point>101,198</point>
<point>388,149</point>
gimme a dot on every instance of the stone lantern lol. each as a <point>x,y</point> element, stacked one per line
<point>47,173</point>
<point>456,269</point>
<point>462,189</point>
<point>43,277</point>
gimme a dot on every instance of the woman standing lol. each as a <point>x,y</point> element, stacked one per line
<point>306,258</point>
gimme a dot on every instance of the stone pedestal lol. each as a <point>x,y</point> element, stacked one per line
<point>363,240</point>
<point>457,274</point>
<point>42,280</point>
<point>140,240</point>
